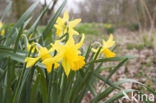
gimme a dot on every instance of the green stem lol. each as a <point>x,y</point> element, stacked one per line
<point>50,81</point>
<point>18,85</point>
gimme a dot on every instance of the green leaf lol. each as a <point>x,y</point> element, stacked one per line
<point>52,21</point>
<point>111,59</point>
<point>109,90</point>
<point>6,10</point>
<point>88,52</point>
<point>116,68</point>
<point>105,80</point>
<point>34,26</point>
<point>18,38</point>
<point>119,95</point>
<point>104,68</point>
<point>5,52</point>
<point>97,54</point>
<point>22,80</point>
<point>20,22</point>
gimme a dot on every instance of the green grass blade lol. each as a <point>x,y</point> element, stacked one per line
<point>18,38</point>
<point>88,52</point>
<point>116,68</point>
<point>109,90</point>
<point>21,85</point>
<point>105,68</point>
<point>5,52</point>
<point>6,10</point>
<point>20,22</point>
<point>105,80</point>
<point>6,82</point>
<point>119,95</point>
<point>27,22</point>
<point>97,54</point>
<point>53,20</point>
<point>34,26</point>
<point>43,84</point>
<point>92,90</point>
<point>111,59</point>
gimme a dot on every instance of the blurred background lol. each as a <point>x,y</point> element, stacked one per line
<point>132,22</point>
<point>140,13</point>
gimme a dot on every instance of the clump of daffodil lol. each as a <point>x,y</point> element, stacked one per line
<point>69,54</point>
<point>108,26</point>
<point>105,47</point>
<point>43,54</point>
<point>2,30</point>
<point>63,25</point>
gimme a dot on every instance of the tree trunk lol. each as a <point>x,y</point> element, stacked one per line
<point>19,7</point>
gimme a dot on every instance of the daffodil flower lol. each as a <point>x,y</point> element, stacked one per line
<point>43,54</point>
<point>30,36</point>
<point>105,47</point>
<point>109,26</point>
<point>63,25</point>
<point>33,45</point>
<point>68,54</point>
<point>2,30</point>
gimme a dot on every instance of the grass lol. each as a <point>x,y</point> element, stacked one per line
<point>90,28</point>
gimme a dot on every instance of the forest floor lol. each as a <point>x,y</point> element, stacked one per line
<point>142,68</point>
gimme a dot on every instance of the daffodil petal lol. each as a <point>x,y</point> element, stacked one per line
<point>70,41</point>
<point>73,32</point>
<point>73,23</point>
<point>66,16</point>
<point>56,65</point>
<point>66,65</point>
<point>2,32</point>
<point>59,20</point>
<point>49,67</point>
<point>31,61</point>
<point>78,63</point>
<point>1,24</point>
<point>108,53</point>
<point>44,53</point>
<point>109,43</point>
<point>55,59</point>
<point>78,45</point>
<point>94,50</point>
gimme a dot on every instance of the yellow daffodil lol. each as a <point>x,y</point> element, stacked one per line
<point>1,24</point>
<point>33,45</point>
<point>105,47</point>
<point>63,25</point>
<point>30,36</point>
<point>2,30</point>
<point>43,54</point>
<point>68,54</point>
<point>109,26</point>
